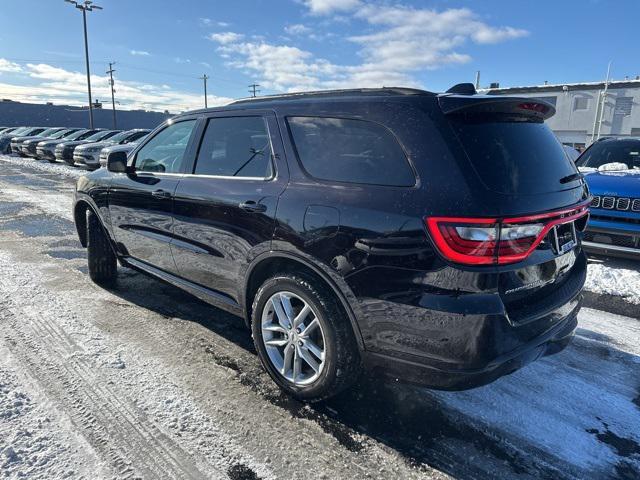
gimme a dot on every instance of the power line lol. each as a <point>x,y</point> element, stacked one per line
<point>253,89</point>
<point>113,92</point>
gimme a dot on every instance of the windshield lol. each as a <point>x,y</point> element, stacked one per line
<point>615,154</point>
<point>103,134</point>
<point>76,135</point>
<point>49,132</point>
<point>62,134</point>
<point>514,155</point>
<point>19,131</point>
<point>119,137</point>
<point>86,134</point>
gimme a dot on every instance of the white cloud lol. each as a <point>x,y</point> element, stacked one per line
<point>141,53</point>
<point>297,29</point>
<point>399,42</point>
<point>9,67</point>
<point>182,60</point>
<point>225,37</point>
<point>50,83</point>
<point>324,7</point>
<point>207,22</point>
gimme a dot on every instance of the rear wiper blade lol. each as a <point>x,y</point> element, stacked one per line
<point>572,177</point>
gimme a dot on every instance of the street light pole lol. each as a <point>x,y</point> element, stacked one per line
<point>86,6</point>
<point>204,78</point>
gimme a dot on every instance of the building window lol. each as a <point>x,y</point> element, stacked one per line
<point>580,103</point>
<point>623,106</point>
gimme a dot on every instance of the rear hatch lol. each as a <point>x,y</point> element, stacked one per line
<point>537,203</point>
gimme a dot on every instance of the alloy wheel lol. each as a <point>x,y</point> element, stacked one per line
<point>293,338</point>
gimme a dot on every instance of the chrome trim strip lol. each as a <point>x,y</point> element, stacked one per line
<point>615,248</point>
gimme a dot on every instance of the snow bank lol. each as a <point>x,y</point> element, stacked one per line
<point>621,282</point>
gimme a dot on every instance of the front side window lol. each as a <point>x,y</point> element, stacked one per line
<point>351,151</point>
<point>235,147</point>
<point>165,151</point>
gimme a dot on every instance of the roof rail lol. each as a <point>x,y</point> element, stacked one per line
<point>333,93</point>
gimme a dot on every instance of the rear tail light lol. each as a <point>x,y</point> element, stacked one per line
<point>486,241</point>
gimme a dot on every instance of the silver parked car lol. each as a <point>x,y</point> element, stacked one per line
<point>29,147</point>
<point>46,150</point>
<point>127,148</point>
<point>88,155</point>
<point>64,151</point>
<point>5,140</point>
<point>17,142</point>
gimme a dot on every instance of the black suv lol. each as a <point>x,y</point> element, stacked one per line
<point>432,237</point>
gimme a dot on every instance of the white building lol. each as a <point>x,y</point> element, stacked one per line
<point>579,118</point>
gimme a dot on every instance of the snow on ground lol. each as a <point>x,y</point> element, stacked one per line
<point>622,282</point>
<point>36,440</point>
<point>44,166</point>
<point>564,404</point>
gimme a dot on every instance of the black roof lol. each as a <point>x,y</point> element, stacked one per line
<point>324,95</point>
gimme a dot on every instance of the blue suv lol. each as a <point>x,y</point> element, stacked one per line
<point>612,171</point>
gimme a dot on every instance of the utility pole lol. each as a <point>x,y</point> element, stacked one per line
<point>204,78</point>
<point>477,82</point>
<point>86,6</point>
<point>113,96</point>
<point>254,90</point>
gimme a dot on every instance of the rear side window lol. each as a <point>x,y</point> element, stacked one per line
<point>235,147</point>
<point>352,151</point>
<point>514,155</point>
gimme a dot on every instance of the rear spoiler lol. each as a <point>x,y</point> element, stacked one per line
<point>462,104</point>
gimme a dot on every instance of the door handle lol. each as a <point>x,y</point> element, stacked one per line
<point>253,207</point>
<point>161,194</point>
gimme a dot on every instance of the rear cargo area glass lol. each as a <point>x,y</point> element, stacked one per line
<point>521,156</point>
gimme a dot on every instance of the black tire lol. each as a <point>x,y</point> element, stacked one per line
<point>342,359</point>
<point>103,266</point>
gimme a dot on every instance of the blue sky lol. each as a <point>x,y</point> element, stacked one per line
<point>162,47</point>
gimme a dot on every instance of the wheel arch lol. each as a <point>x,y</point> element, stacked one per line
<point>269,263</point>
<point>80,210</point>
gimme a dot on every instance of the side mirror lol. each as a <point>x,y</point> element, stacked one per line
<point>117,162</point>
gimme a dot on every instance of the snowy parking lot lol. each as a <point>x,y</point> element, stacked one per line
<point>145,381</point>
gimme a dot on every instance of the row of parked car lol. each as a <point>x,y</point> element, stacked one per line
<point>81,147</point>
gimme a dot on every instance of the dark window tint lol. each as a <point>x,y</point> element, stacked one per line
<point>625,152</point>
<point>354,151</point>
<point>515,155</point>
<point>235,147</point>
<point>165,151</point>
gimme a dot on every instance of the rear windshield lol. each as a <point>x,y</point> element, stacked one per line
<point>515,155</point>
<point>616,154</point>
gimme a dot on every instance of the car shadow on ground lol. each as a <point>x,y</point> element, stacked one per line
<point>419,424</point>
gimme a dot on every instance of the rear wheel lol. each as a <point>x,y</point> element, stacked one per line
<point>303,337</point>
<point>103,267</point>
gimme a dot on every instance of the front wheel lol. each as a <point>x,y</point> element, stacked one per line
<point>304,338</point>
<point>103,266</point>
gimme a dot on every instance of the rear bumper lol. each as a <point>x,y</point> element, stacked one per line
<point>462,378</point>
<point>457,341</point>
